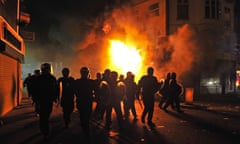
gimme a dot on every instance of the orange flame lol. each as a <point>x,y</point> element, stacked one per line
<point>125,57</point>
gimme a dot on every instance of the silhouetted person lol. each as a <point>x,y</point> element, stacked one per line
<point>148,86</point>
<point>164,90</point>
<point>105,94</point>
<point>65,83</point>
<point>97,97</point>
<point>223,83</point>
<point>32,87</point>
<point>46,92</point>
<point>117,93</point>
<point>84,87</point>
<point>26,83</point>
<point>131,91</point>
<point>105,102</point>
<point>121,78</point>
<point>175,91</point>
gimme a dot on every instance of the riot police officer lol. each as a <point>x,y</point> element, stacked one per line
<point>84,90</point>
<point>46,92</point>
<point>65,83</point>
<point>147,87</point>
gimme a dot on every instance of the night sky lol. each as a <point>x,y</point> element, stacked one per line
<point>60,25</point>
<point>47,13</point>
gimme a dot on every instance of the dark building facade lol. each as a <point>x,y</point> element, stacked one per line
<point>12,51</point>
<point>216,24</point>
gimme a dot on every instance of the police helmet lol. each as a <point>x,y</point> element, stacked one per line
<point>65,71</point>
<point>84,71</point>
<point>174,75</point>
<point>150,70</point>
<point>46,67</point>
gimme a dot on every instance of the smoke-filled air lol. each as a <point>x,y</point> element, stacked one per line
<point>123,45</point>
<point>117,40</point>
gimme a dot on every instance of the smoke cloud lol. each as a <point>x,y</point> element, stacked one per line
<point>75,43</point>
<point>176,53</point>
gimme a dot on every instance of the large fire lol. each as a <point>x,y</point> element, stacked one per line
<point>125,57</point>
<point>125,45</point>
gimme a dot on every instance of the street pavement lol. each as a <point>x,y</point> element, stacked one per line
<point>20,126</point>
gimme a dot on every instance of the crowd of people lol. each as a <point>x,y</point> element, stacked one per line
<point>109,90</point>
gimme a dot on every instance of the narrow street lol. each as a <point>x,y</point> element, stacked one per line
<point>198,124</point>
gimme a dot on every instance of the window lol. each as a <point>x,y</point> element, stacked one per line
<point>12,39</point>
<point>212,10</point>
<point>154,9</point>
<point>182,9</point>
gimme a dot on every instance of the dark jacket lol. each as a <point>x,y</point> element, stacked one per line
<point>46,88</point>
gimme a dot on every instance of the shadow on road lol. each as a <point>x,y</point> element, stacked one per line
<point>208,125</point>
